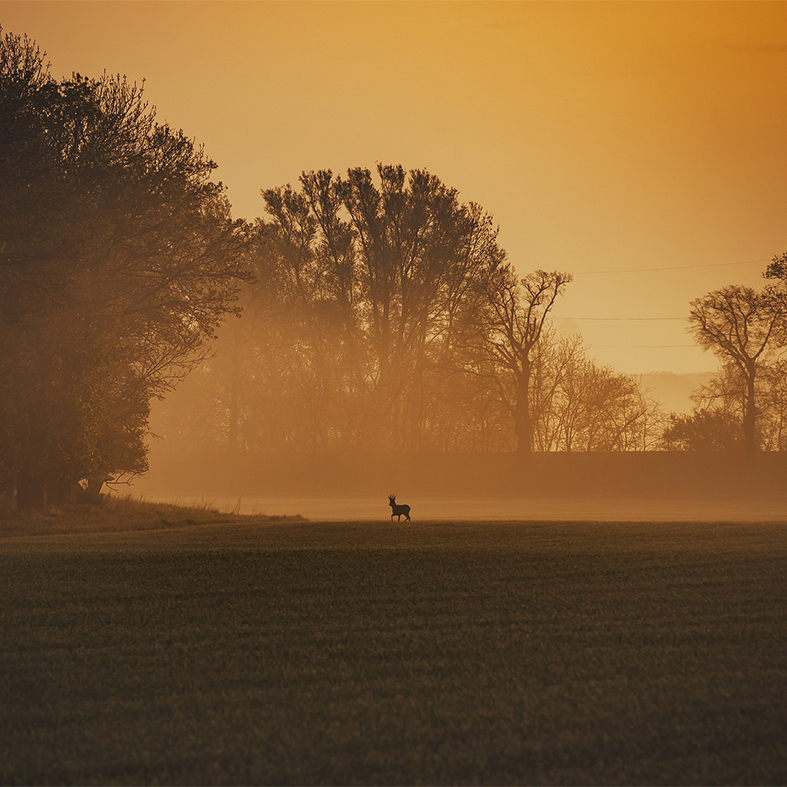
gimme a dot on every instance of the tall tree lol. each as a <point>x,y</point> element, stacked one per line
<point>379,267</point>
<point>118,260</point>
<point>511,326</point>
<point>739,325</point>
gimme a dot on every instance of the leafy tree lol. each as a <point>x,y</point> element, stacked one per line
<point>704,430</point>
<point>777,268</point>
<point>118,260</point>
<point>378,271</point>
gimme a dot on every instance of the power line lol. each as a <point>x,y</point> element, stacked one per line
<point>619,319</point>
<point>639,346</point>
<point>674,268</point>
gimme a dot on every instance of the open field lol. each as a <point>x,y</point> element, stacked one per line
<point>361,652</point>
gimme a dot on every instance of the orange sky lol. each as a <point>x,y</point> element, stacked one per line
<point>602,136</point>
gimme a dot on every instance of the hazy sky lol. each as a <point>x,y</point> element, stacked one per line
<point>601,136</point>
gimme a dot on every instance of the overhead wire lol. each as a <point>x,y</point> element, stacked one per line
<point>618,319</point>
<point>649,319</point>
<point>673,268</point>
<point>640,346</point>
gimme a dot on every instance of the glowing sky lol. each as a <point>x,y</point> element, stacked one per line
<point>602,136</point>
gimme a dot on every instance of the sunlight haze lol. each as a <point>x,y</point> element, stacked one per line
<point>355,421</point>
<point>601,136</point>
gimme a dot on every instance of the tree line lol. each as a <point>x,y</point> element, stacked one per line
<point>372,310</point>
<point>384,315</point>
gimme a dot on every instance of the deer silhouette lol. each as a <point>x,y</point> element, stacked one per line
<point>397,510</point>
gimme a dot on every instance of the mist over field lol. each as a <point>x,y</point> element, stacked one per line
<point>657,486</point>
<point>540,509</point>
<point>437,488</point>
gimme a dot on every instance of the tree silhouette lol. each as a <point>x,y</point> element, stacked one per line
<point>118,261</point>
<point>739,326</point>
<point>513,322</point>
<point>377,269</point>
<point>704,430</point>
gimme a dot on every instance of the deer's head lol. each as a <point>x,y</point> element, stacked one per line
<point>391,498</point>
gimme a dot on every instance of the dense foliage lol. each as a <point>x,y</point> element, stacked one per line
<point>118,260</point>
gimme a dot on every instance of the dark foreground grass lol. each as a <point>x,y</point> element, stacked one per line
<point>113,514</point>
<point>365,653</point>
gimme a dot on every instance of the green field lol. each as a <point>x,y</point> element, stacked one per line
<point>370,653</point>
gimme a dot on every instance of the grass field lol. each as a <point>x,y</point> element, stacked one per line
<point>369,653</point>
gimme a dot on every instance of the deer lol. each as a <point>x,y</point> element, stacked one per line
<point>397,510</point>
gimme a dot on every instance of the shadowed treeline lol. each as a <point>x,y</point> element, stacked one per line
<point>558,475</point>
<point>384,315</point>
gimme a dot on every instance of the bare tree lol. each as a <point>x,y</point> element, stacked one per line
<point>512,324</point>
<point>739,326</point>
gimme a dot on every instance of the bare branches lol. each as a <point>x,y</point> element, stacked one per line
<point>514,314</point>
<point>739,326</point>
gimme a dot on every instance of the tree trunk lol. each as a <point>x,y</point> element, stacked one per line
<point>233,415</point>
<point>7,500</point>
<point>33,404</point>
<point>61,492</point>
<point>750,418</point>
<point>523,421</point>
<point>30,491</point>
<point>235,384</point>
